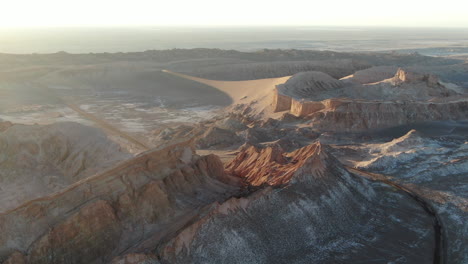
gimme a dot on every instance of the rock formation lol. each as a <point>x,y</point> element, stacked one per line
<point>435,168</point>
<point>217,137</point>
<point>349,115</point>
<point>403,76</point>
<point>233,123</point>
<point>333,105</point>
<point>372,75</point>
<point>37,160</point>
<point>313,211</point>
<point>127,208</point>
<point>271,166</point>
<point>305,85</point>
<point>70,195</point>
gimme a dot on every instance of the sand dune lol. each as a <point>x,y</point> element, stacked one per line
<point>258,92</point>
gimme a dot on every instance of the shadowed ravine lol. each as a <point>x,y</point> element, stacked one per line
<point>440,250</point>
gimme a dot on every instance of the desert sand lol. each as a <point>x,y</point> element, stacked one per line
<point>253,92</point>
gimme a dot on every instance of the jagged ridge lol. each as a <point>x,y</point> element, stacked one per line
<point>133,205</point>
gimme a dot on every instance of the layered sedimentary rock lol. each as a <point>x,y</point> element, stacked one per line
<point>434,167</point>
<point>337,105</point>
<point>349,115</point>
<point>231,132</point>
<point>372,75</point>
<point>309,85</point>
<point>217,137</point>
<point>303,86</point>
<point>37,160</point>
<point>271,166</point>
<point>233,123</point>
<point>281,102</point>
<point>210,135</point>
<point>403,76</point>
<point>131,207</point>
<point>312,210</point>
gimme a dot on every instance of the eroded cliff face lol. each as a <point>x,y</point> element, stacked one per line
<point>348,115</point>
<point>281,102</point>
<point>131,207</point>
<point>94,230</point>
<point>348,105</point>
<point>272,166</point>
<point>434,167</point>
<point>312,210</point>
<point>372,75</point>
<point>37,160</point>
<point>403,76</point>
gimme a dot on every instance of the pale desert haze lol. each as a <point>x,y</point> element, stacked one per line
<point>152,132</point>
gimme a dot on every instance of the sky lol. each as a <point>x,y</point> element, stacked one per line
<point>397,13</point>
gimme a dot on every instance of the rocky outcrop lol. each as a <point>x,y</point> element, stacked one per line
<point>130,207</point>
<point>302,86</point>
<point>333,105</point>
<point>372,75</point>
<point>37,160</point>
<point>174,133</point>
<point>260,133</point>
<point>352,115</point>
<point>404,76</point>
<point>306,85</point>
<point>281,102</point>
<point>256,135</point>
<point>349,115</point>
<point>302,108</point>
<point>217,137</point>
<point>272,166</point>
<point>433,167</point>
<point>314,211</point>
<point>92,231</point>
<point>232,123</point>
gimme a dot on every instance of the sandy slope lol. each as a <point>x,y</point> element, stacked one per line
<point>243,92</point>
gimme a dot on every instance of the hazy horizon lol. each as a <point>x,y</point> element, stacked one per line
<point>400,13</point>
<point>49,26</point>
<point>133,39</point>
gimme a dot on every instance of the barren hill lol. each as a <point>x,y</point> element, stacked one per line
<point>37,160</point>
